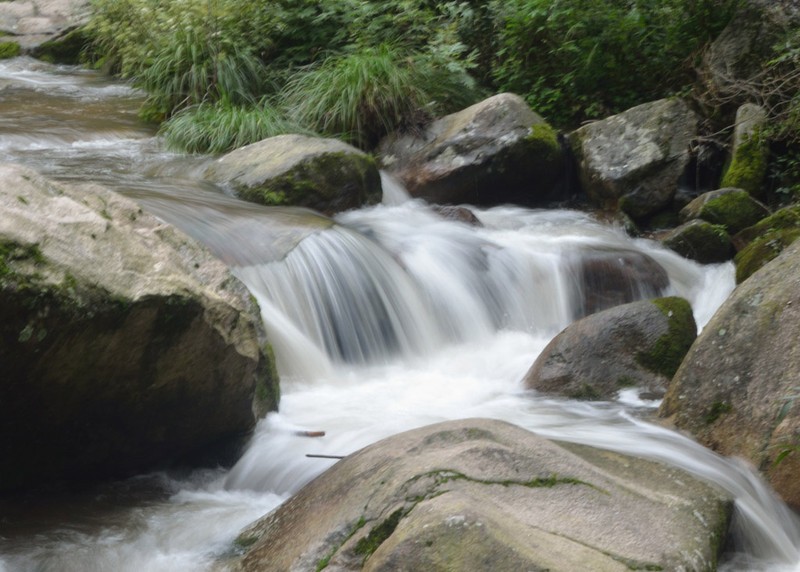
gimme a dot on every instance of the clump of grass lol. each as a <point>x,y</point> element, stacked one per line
<point>222,127</point>
<point>365,94</point>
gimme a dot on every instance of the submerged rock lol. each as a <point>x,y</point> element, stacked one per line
<point>124,344</point>
<point>326,175</point>
<point>607,278</point>
<point>637,345</point>
<point>737,389</point>
<point>634,160</point>
<point>478,495</point>
<point>494,152</point>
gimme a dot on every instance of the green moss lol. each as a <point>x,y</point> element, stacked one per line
<point>12,252</point>
<point>66,49</point>
<point>669,350</point>
<point>701,241</point>
<point>748,167</point>
<point>9,50</point>
<point>785,218</point>
<point>718,409</point>
<point>370,543</point>
<point>543,141</point>
<point>762,250</point>
<point>734,211</point>
<point>586,393</point>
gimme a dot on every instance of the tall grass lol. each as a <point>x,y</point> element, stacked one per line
<point>365,94</point>
<point>222,127</point>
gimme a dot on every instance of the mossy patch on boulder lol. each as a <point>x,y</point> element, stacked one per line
<point>64,49</point>
<point>734,209</point>
<point>9,50</point>
<point>666,355</point>
<point>700,241</point>
<point>762,250</point>
<point>750,151</point>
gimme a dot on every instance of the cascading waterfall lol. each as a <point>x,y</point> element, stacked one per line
<point>386,319</point>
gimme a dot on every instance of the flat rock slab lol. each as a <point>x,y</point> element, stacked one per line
<point>477,495</point>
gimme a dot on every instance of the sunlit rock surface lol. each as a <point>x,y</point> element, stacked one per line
<point>124,344</point>
<point>477,495</point>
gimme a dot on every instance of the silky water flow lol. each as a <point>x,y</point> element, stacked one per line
<point>385,319</point>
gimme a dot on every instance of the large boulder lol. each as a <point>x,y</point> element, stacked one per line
<point>477,495</point>
<point>737,389</point>
<point>123,344</point>
<point>496,151</point>
<point>326,175</point>
<point>33,22</point>
<point>604,278</point>
<point>634,160</point>
<point>637,345</point>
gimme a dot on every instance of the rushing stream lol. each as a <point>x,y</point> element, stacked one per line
<point>390,319</point>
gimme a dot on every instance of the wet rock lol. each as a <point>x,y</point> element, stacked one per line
<point>736,391</point>
<point>607,278</point>
<point>732,208</point>
<point>326,175</point>
<point>639,345</point>
<point>634,160</point>
<point>700,241</point>
<point>494,152</point>
<point>457,213</point>
<point>477,495</point>
<point>123,345</point>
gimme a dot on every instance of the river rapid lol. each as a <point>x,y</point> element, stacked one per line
<point>390,319</point>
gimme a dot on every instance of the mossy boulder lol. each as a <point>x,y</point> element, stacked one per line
<point>765,240</point>
<point>701,241</point>
<point>736,390</point>
<point>634,160</point>
<point>326,175</point>
<point>494,152</point>
<point>637,345</point>
<point>34,22</point>
<point>123,344</point>
<point>476,495</point>
<point>749,152</point>
<point>734,209</point>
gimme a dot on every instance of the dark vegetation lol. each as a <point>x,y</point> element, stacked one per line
<point>223,73</point>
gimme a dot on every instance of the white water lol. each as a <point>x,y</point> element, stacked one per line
<point>450,316</point>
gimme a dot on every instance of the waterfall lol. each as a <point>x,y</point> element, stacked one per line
<point>382,320</point>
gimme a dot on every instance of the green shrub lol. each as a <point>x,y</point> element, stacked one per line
<point>574,59</point>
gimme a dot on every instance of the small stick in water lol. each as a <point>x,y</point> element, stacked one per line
<point>310,433</point>
<point>312,456</point>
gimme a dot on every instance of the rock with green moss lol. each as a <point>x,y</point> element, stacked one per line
<point>734,209</point>
<point>633,161</point>
<point>9,50</point>
<point>326,175</point>
<point>737,389</point>
<point>123,344</point>
<point>494,152</point>
<point>638,345</point>
<point>66,48</point>
<point>701,241</point>
<point>765,240</point>
<point>749,152</point>
<point>476,495</point>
